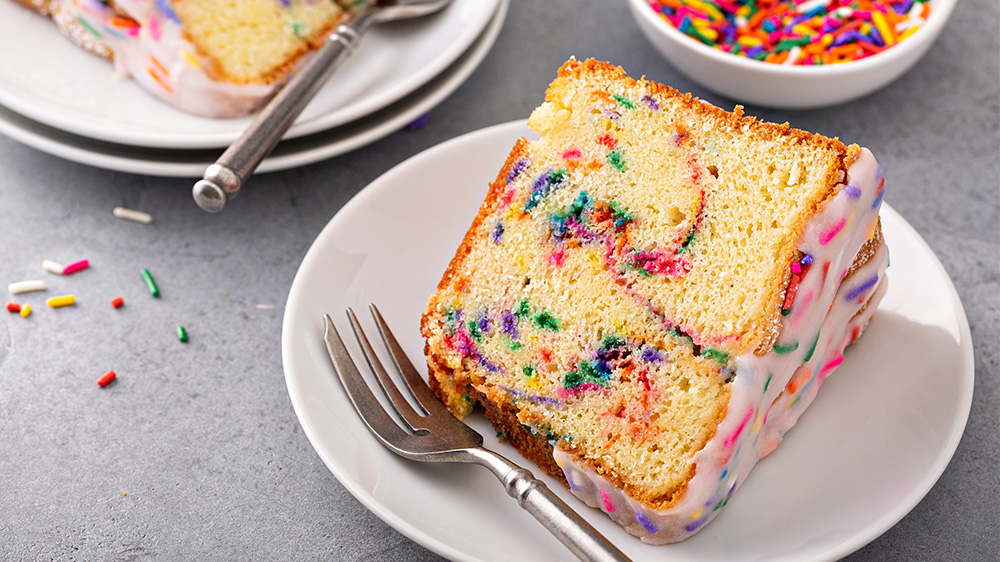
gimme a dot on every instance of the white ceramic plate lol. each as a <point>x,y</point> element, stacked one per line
<point>877,438</point>
<point>52,81</point>
<point>288,154</point>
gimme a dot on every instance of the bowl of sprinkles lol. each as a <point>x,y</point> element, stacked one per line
<point>792,54</point>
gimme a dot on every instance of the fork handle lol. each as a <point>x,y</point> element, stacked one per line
<point>223,179</point>
<point>536,498</point>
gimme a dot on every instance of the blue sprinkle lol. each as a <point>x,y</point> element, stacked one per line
<point>648,100</point>
<point>807,259</point>
<point>164,6</point>
<point>420,123</point>
<point>516,169</point>
<point>878,200</point>
<point>860,289</point>
<point>497,232</point>
<point>646,523</point>
<point>852,191</point>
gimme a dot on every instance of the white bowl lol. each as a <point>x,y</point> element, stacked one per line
<point>787,87</point>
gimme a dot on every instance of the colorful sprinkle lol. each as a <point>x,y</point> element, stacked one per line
<point>860,289</point>
<point>26,286</point>
<point>150,283</point>
<point>53,267</point>
<point>13,307</point>
<point>829,235</point>
<point>606,500</point>
<point>61,301</point>
<point>182,335</point>
<point>783,349</point>
<point>117,302</point>
<point>809,32</point>
<point>25,311</point>
<point>132,215</point>
<point>76,266</point>
<point>646,523</point>
<point>106,379</point>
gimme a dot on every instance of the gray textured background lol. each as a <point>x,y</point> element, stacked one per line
<point>195,452</point>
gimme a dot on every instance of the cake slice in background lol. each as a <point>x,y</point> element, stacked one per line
<point>214,58</point>
<point>653,291</point>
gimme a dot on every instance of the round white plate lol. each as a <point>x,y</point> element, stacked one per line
<point>873,443</point>
<point>288,154</point>
<point>50,80</point>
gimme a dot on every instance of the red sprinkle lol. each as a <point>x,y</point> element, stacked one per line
<point>13,307</point>
<point>793,287</point>
<point>76,266</point>
<point>106,379</point>
<point>117,302</point>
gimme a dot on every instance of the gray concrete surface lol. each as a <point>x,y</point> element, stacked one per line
<point>195,452</point>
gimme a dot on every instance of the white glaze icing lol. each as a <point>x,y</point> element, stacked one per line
<point>762,405</point>
<point>157,55</point>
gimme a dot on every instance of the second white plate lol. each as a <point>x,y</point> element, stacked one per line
<point>877,438</point>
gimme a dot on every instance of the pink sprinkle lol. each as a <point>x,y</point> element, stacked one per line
<point>557,257</point>
<point>76,266</point>
<point>154,28</point>
<point>825,238</point>
<point>572,154</point>
<point>796,268</point>
<point>608,506</point>
<point>832,364</point>
<point>732,438</point>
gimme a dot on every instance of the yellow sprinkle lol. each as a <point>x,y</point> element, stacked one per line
<point>696,514</point>
<point>907,33</point>
<point>190,59</point>
<point>803,30</point>
<point>25,310</point>
<point>888,35</point>
<point>706,8</point>
<point>64,300</point>
<point>749,41</point>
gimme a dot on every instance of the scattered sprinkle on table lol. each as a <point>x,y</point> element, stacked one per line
<point>53,267</point>
<point>13,307</point>
<point>117,302</point>
<point>150,283</point>
<point>25,311</point>
<point>60,301</point>
<point>76,266</point>
<point>106,379</point>
<point>796,32</point>
<point>26,286</point>
<point>182,335</point>
<point>132,215</point>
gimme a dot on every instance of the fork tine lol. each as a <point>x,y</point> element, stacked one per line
<point>415,419</point>
<point>417,385</point>
<point>365,403</point>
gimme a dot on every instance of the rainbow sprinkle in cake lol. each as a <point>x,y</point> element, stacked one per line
<point>653,291</point>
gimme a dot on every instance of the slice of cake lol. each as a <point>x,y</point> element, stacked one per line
<point>215,58</point>
<point>653,291</point>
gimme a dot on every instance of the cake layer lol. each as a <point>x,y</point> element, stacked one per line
<point>641,283</point>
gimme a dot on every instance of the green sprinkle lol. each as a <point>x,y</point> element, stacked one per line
<point>783,349</point>
<point>720,356</point>
<point>474,331</point>
<point>812,349</point>
<point>528,371</point>
<point>546,321</point>
<point>789,43</point>
<point>298,29</point>
<point>88,27</point>
<point>572,379</point>
<point>150,283</point>
<point>627,103</point>
<point>514,345</point>
<point>182,334</point>
<point>617,159</point>
<point>767,383</point>
<point>523,309</point>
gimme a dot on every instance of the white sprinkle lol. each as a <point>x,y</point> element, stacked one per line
<point>264,306</point>
<point>809,5</point>
<point>53,267</point>
<point>26,286</point>
<point>793,55</point>
<point>131,215</point>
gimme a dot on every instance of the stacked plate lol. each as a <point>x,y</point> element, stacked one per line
<point>62,100</point>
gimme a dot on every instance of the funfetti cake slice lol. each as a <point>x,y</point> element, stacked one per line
<point>653,292</point>
<point>215,58</point>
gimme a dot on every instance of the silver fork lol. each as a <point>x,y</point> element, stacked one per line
<point>223,179</point>
<point>435,435</point>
